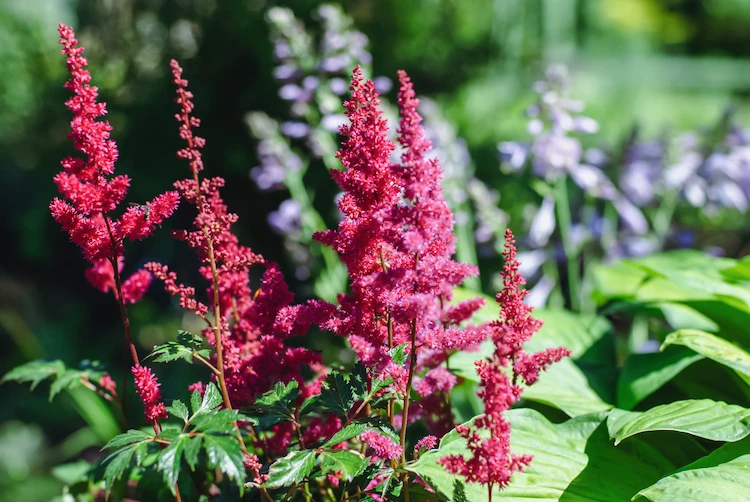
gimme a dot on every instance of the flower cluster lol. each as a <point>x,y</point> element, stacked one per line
<point>492,462</point>
<point>91,192</point>
<point>148,389</point>
<point>250,344</point>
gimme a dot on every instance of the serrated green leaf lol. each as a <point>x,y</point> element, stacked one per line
<point>337,394</point>
<point>179,409</point>
<point>169,460</point>
<point>704,418</point>
<point>290,469</point>
<point>34,372</point>
<point>277,404</point>
<point>309,405</point>
<point>192,448</point>
<point>220,422</point>
<point>398,354</point>
<point>195,401</point>
<point>728,482</point>
<point>358,380</point>
<point>119,461</point>
<point>350,463</point>
<point>211,401</point>
<point>224,453</point>
<point>130,437</point>
<point>712,347</point>
<point>69,379</point>
<point>356,428</point>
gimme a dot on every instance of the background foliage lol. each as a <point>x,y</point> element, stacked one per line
<point>665,65</point>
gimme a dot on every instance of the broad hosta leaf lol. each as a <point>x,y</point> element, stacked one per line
<point>723,454</point>
<point>349,463</point>
<point>713,347</point>
<point>704,418</point>
<point>727,482</point>
<point>681,316</point>
<point>564,386</point>
<point>291,469</point>
<point>738,272</point>
<point>617,281</point>
<point>573,462</point>
<point>643,374</point>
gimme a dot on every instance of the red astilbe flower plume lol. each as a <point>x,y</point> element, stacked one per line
<point>396,239</point>
<point>90,191</point>
<point>147,387</point>
<point>253,350</point>
<point>492,463</point>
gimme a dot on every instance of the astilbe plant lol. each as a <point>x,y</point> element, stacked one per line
<point>306,430</point>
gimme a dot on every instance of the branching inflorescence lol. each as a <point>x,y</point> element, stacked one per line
<point>395,239</point>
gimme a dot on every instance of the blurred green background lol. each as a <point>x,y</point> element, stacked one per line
<point>658,63</point>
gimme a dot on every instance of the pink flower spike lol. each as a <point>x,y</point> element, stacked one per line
<point>426,443</point>
<point>384,447</point>
<point>148,389</point>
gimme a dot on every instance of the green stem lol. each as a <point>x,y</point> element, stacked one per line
<point>564,221</point>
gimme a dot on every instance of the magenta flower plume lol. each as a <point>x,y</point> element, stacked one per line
<point>382,446</point>
<point>396,239</point>
<point>492,463</point>
<point>254,355</point>
<point>148,389</point>
<point>90,191</point>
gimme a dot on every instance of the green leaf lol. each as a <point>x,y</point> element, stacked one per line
<point>192,448</point>
<point>277,404</point>
<point>356,428</point>
<point>219,422</point>
<point>338,394</point>
<point>73,472</point>
<point>290,469</point>
<point>169,460</point>
<point>738,272</point>
<point>186,346</point>
<point>712,347</point>
<point>398,354</point>
<point>119,462</point>
<point>721,455</point>
<point>727,482</point>
<point>643,374</point>
<point>574,461</point>
<point>211,401</point>
<point>704,418</point>
<point>224,453</point>
<point>130,437</point>
<point>179,410</point>
<point>681,316</point>
<point>69,379</point>
<point>34,372</point>
<point>350,463</point>
<point>617,281</point>
<point>564,385</point>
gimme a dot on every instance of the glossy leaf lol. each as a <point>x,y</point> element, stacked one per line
<point>704,418</point>
<point>712,347</point>
<point>291,469</point>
